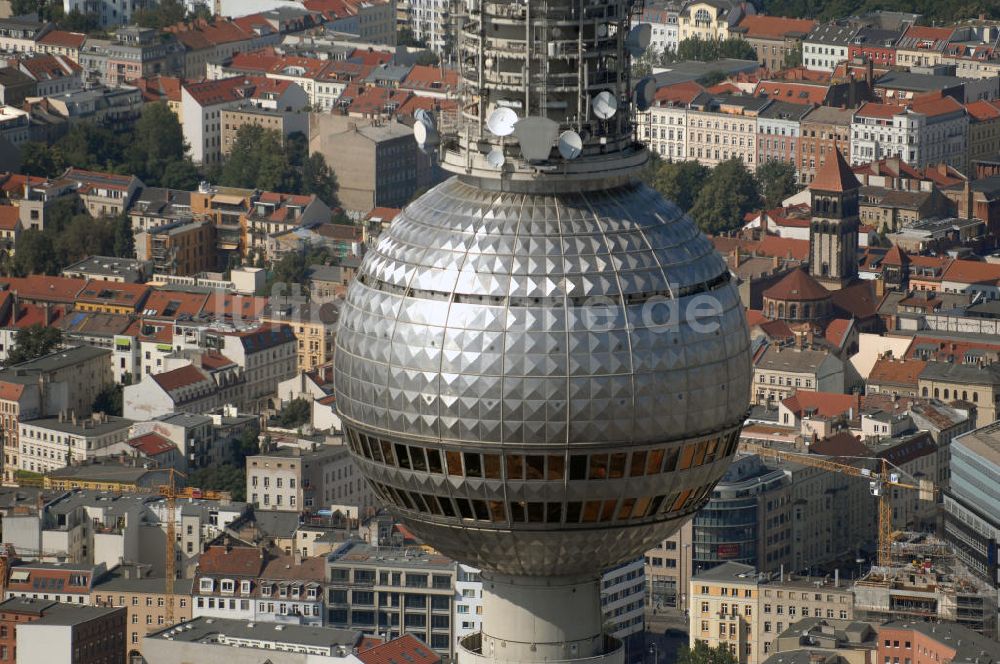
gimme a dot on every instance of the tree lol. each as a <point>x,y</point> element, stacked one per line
<point>167,12</point>
<point>41,160</point>
<point>35,253</point>
<point>679,181</point>
<point>427,58</point>
<point>776,181</point>
<point>181,174</point>
<point>730,192</point>
<point>708,50</point>
<point>318,178</point>
<point>405,37</point>
<point>77,21</point>
<point>221,478</point>
<point>259,160</point>
<point>793,58</point>
<point>296,413</point>
<point>109,401</point>
<point>34,342</point>
<point>156,142</point>
<point>124,243</point>
<point>933,11</point>
<point>701,653</point>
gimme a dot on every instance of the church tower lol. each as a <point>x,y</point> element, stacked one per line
<point>833,234</point>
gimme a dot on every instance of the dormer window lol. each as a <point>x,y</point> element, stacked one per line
<point>244,587</point>
<point>206,585</point>
<point>227,586</point>
<point>266,589</point>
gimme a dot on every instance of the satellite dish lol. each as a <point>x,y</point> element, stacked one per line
<point>426,135</point>
<point>501,121</point>
<point>570,144</point>
<point>605,105</point>
<point>536,135</point>
<point>602,29</point>
<point>638,39</point>
<point>421,115</point>
<point>645,93</point>
<point>496,158</point>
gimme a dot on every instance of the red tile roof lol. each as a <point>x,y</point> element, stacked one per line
<point>427,77</point>
<point>783,247</point>
<point>214,360</point>
<point>49,67</point>
<point>173,304</point>
<point>842,444</point>
<point>370,56</point>
<point>948,349</point>
<point>63,38</point>
<point>972,272</point>
<point>836,331</point>
<point>200,34</point>
<point>113,293</point>
<point>13,183</point>
<point>235,561</point>
<point>383,214</point>
<point>152,444</point>
<point>797,286</point>
<point>896,256</point>
<point>10,391</point>
<point>872,109</point>
<point>405,649</point>
<point>236,88</point>
<point>33,314</point>
<point>183,377</point>
<point>159,88</point>
<point>823,404</point>
<point>678,93</point>
<point>799,93</point>
<point>775,27</point>
<point>40,288</point>
<point>939,106</point>
<point>228,305</point>
<point>983,111</point>
<point>888,370</point>
<point>10,217</point>
<point>857,300</point>
<point>835,175</point>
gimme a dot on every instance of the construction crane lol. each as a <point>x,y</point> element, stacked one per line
<point>878,481</point>
<point>171,492</point>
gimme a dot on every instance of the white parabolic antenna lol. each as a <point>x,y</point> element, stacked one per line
<point>638,39</point>
<point>495,158</point>
<point>425,134</point>
<point>501,121</point>
<point>570,144</point>
<point>605,105</point>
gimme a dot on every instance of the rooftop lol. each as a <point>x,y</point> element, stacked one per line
<point>223,630</point>
<point>86,426</point>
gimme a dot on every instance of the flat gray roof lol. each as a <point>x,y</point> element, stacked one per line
<point>58,360</point>
<point>208,630</point>
<point>86,426</point>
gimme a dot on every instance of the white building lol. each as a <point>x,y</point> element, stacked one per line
<point>662,19</point>
<point>827,46</point>
<point>429,21</point>
<point>468,601</point>
<point>202,105</point>
<point>921,134</point>
<point>663,127</point>
<point>54,442</point>
<point>109,13</point>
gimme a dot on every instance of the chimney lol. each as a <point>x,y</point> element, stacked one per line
<point>16,307</point>
<point>48,313</point>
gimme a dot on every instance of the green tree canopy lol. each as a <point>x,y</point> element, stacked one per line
<point>109,400</point>
<point>933,11</point>
<point>41,160</point>
<point>181,174</point>
<point>678,181</point>
<point>156,142</point>
<point>728,194</point>
<point>259,159</point>
<point>295,413</point>
<point>701,653</point>
<point>707,50</point>
<point>33,342</point>
<point>318,178</point>
<point>221,478</point>
<point>159,16</point>
<point>776,180</point>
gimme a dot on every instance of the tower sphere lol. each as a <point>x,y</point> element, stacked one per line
<point>542,384</point>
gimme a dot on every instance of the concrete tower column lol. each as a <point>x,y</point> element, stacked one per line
<point>539,619</point>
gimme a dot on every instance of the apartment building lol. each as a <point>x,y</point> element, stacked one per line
<point>779,133</point>
<point>984,129</point>
<point>779,370</point>
<point>722,127</point>
<point>922,46</point>
<point>314,327</point>
<point>827,45</point>
<point>54,442</point>
<point>291,479</point>
<point>662,19</point>
<point>180,247</point>
<point>290,590</point>
<point>225,582</point>
<point>774,37</point>
<point>710,19</point>
<point>926,132</point>
<point>978,385</point>
<point>145,601</point>
<point>47,631</point>
<point>138,53</point>
<point>284,122</point>
<point>822,131</point>
<point>663,126</point>
<point>103,194</point>
<point>393,590</point>
<point>668,570</point>
<point>735,607</point>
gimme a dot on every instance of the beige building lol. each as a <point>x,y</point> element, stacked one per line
<point>376,166</point>
<point>668,570</point>
<point>315,329</point>
<point>774,37</point>
<point>708,19</point>
<point>290,479</point>
<point>851,641</point>
<point>984,129</point>
<point>735,607</point>
<point>974,384</point>
<point>780,370</point>
<point>722,127</point>
<point>146,602</point>
<point>283,122</point>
